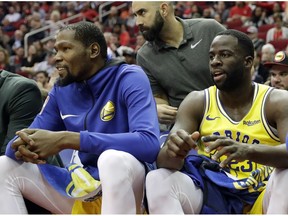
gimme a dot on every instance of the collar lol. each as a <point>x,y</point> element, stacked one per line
<point>187,35</point>
<point>100,80</point>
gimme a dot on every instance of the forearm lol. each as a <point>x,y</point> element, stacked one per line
<point>142,145</point>
<point>161,99</point>
<point>165,161</point>
<point>268,155</point>
<point>69,140</point>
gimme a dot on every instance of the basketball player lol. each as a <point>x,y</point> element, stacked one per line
<point>238,127</point>
<point>101,107</point>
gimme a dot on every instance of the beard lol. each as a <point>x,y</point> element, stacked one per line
<point>68,79</point>
<point>153,32</point>
<point>232,81</point>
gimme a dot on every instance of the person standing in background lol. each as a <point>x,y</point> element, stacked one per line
<point>175,58</point>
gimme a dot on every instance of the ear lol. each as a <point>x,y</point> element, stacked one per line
<point>164,9</point>
<point>249,61</point>
<point>94,50</point>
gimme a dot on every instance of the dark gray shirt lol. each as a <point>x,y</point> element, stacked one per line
<point>177,72</point>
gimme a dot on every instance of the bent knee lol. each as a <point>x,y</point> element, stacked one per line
<point>156,178</point>
<point>280,175</point>
<point>7,164</point>
<point>114,160</point>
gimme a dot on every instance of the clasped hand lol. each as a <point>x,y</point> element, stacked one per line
<point>35,145</point>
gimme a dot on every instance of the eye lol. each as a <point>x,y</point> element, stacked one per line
<point>211,57</point>
<point>65,49</point>
<point>283,74</point>
<point>225,55</point>
<point>141,12</point>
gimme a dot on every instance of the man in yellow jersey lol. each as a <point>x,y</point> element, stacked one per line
<point>239,128</point>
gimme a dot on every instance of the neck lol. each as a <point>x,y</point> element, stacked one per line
<point>96,67</point>
<point>172,32</point>
<point>239,97</point>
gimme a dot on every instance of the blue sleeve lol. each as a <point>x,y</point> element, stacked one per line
<point>287,142</point>
<point>48,119</point>
<point>142,138</point>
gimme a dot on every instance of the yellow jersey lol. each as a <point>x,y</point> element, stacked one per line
<point>252,129</point>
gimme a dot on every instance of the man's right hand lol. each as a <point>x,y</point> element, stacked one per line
<point>22,146</point>
<point>166,114</point>
<point>180,143</point>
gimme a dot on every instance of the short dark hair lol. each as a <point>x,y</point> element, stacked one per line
<point>245,43</point>
<point>45,73</point>
<point>88,33</point>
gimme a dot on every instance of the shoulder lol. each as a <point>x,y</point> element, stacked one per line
<point>278,96</point>
<point>131,72</point>
<point>195,99</point>
<point>130,68</point>
<point>15,82</point>
<point>203,22</point>
<point>277,104</point>
<point>145,49</point>
<point>191,111</point>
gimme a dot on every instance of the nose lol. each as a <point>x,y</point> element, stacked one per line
<point>57,57</point>
<point>276,78</point>
<point>139,21</point>
<point>215,61</point>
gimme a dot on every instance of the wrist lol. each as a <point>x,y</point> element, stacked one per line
<point>69,140</point>
<point>250,152</point>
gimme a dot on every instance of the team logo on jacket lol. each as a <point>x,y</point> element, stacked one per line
<point>108,111</point>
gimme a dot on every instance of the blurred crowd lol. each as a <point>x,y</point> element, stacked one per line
<point>265,22</point>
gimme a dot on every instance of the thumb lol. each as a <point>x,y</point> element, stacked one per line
<point>195,136</point>
<point>27,131</point>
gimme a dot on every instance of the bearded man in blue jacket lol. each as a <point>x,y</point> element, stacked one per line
<point>100,107</point>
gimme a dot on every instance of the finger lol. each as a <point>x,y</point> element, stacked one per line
<point>172,146</point>
<point>25,137</point>
<point>17,142</point>
<point>227,161</point>
<point>187,138</point>
<point>223,151</point>
<point>197,139</point>
<point>172,108</point>
<point>180,141</point>
<point>169,107</point>
<point>34,161</point>
<point>18,155</point>
<point>27,131</point>
<point>212,138</point>
<point>179,154</point>
<point>170,113</point>
<point>26,153</point>
<point>218,144</point>
<point>173,150</point>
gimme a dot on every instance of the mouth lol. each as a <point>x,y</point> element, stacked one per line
<point>218,75</point>
<point>142,29</point>
<point>279,87</point>
<point>61,70</point>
